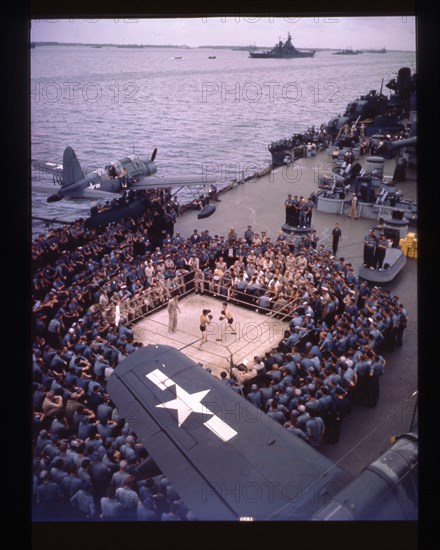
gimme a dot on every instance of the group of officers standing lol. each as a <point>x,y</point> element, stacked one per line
<point>375,247</point>
<point>299,211</point>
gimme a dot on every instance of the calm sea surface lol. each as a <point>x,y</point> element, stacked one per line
<point>205,116</point>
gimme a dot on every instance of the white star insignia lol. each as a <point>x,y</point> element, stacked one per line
<point>186,403</point>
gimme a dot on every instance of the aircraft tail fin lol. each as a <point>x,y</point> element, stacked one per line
<point>72,170</point>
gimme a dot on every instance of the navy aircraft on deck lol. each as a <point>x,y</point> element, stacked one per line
<point>229,461</point>
<point>130,173</point>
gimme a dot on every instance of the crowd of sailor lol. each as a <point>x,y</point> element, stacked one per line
<point>90,284</point>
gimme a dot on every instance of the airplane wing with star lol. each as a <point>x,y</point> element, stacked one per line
<point>226,459</point>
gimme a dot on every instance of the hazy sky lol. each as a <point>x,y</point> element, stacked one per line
<point>395,33</point>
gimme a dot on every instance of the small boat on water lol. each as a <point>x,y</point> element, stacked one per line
<point>212,57</point>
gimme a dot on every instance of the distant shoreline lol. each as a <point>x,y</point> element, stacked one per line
<point>175,46</point>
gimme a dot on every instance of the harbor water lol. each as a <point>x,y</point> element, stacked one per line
<point>211,117</point>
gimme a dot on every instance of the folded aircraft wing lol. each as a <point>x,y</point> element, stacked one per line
<point>158,182</point>
<point>226,459</point>
<point>54,168</point>
<point>75,193</point>
<point>88,193</point>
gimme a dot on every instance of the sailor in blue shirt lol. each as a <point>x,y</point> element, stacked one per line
<point>315,429</point>
<point>105,428</point>
<point>43,440</point>
<point>287,379</point>
<point>351,279</point>
<point>370,242</point>
<point>401,325</point>
<point>282,397</point>
<point>291,340</point>
<point>86,428</point>
<point>292,427</point>
<point>124,330</point>
<point>376,334</point>
<point>303,416</point>
<point>327,343</point>
<point>275,414</point>
<point>341,344</point>
<point>364,292</point>
<point>394,326</point>
<point>362,371</point>
<point>57,363</point>
<point>376,371</point>
<point>100,365</point>
<point>266,392</point>
<point>347,374</point>
<point>57,473</point>
<point>306,364</point>
<point>275,374</point>
<point>104,411</point>
<point>254,396</point>
<point>352,308</point>
<point>290,365</point>
<point>325,401</point>
<point>71,483</point>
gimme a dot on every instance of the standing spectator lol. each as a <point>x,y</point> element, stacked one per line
<point>54,330</point>
<point>379,255</point>
<point>315,428</point>
<point>370,242</point>
<point>71,483</point>
<point>118,478</point>
<point>354,207</point>
<point>403,323</point>
<point>254,396</point>
<point>145,510</point>
<point>111,509</point>
<point>173,514</point>
<point>57,474</point>
<point>173,310</point>
<point>337,235</point>
<point>128,498</point>
<point>84,471</point>
<point>49,498</point>
<point>83,501</point>
<point>376,371</point>
<point>362,371</point>
<point>249,235</point>
<point>100,475</point>
<point>309,213</point>
<point>303,209</point>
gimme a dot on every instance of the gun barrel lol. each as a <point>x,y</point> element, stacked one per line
<point>402,143</point>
